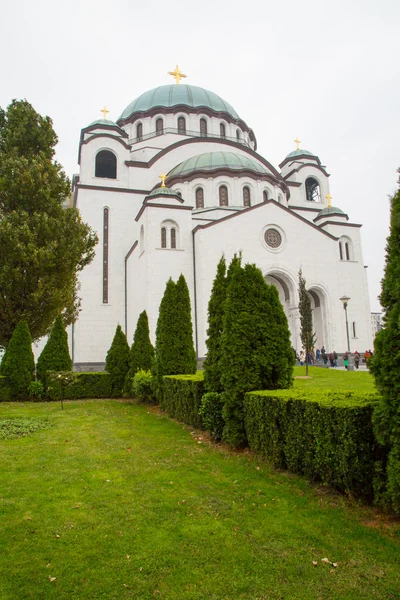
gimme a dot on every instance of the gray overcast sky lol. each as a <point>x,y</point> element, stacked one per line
<point>326,71</point>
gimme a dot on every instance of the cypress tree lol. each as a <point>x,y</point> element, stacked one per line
<point>18,363</point>
<point>117,361</point>
<point>385,364</point>
<point>142,351</point>
<point>256,349</point>
<point>212,363</point>
<point>306,323</point>
<point>165,332</point>
<point>55,355</point>
<point>186,361</point>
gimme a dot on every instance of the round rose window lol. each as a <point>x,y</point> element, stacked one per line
<point>273,238</point>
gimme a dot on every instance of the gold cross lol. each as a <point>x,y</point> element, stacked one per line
<point>105,111</point>
<point>297,141</point>
<point>163,177</point>
<point>329,198</point>
<point>177,74</point>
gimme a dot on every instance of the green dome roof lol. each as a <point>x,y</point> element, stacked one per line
<point>103,122</point>
<point>210,161</point>
<point>330,210</point>
<point>164,191</point>
<point>299,152</point>
<point>174,95</point>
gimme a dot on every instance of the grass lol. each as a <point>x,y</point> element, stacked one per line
<point>116,501</point>
<point>331,378</point>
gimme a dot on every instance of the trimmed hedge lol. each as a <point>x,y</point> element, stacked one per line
<point>182,396</point>
<point>210,411</point>
<point>72,386</point>
<point>5,392</point>
<point>324,436</point>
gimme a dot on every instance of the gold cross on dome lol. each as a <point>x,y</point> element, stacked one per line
<point>329,198</point>
<point>163,177</point>
<point>297,142</point>
<point>177,74</point>
<point>104,111</point>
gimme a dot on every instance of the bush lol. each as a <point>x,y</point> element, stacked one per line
<point>55,355</point>
<point>142,386</point>
<point>18,363</point>
<point>5,394</point>
<point>71,386</point>
<point>36,390</point>
<point>211,414</point>
<point>325,436</point>
<point>182,396</point>
<point>117,361</point>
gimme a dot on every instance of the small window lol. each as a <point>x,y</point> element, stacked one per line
<point>182,125</point>
<point>340,250</point>
<point>265,195</point>
<point>246,196</point>
<point>106,165</point>
<point>106,216</point>
<point>222,130</point>
<point>199,198</point>
<point>237,134</point>
<point>159,127</point>
<point>203,127</point>
<point>173,237</point>
<point>223,196</point>
<point>313,191</point>
<point>139,131</point>
<point>353,327</point>
<point>163,237</point>
<point>347,250</point>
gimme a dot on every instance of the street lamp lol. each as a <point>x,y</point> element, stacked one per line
<point>345,300</point>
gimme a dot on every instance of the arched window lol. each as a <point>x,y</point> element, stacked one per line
<point>203,127</point>
<point>237,134</point>
<point>106,165</point>
<point>340,251</point>
<point>346,251</point>
<point>265,195</point>
<point>163,237</point>
<point>223,196</point>
<point>181,125</point>
<point>159,127</point>
<point>199,198</point>
<point>222,130</point>
<point>106,215</point>
<point>139,131</point>
<point>246,196</point>
<point>313,191</point>
<point>173,237</point>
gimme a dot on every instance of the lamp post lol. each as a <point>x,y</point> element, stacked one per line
<point>345,300</point>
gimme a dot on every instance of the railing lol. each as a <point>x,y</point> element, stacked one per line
<point>188,133</point>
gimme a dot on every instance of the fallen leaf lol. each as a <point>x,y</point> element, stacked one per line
<point>77,506</point>
<point>334,565</point>
<point>325,560</point>
<point>108,480</point>
<point>128,556</point>
<point>258,468</point>
<point>332,570</point>
<point>141,569</point>
<point>128,450</point>
<point>58,536</point>
<point>52,579</point>
<point>48,565</point>
<point>29,518</point>
<point>314,562</point>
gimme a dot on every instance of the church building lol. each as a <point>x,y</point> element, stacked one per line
<point>175,183</point>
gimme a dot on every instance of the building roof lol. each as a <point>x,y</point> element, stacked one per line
<point>178,95</point>
<point>331,210</point>
<point>299,152</point>
<point>163,191</point>
<point>211,161</point>
<point>103,122</point>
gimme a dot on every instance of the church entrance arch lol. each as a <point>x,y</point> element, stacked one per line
<point>320,318</point>
<point>286,288</point>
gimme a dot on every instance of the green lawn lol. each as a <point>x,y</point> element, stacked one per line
<point>335,379</point>
<point>116,501</point>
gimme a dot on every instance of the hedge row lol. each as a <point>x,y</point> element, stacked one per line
<point>182,396</point>
<point>324,436</point>
<point>71,385</point>
<point>5,392</point>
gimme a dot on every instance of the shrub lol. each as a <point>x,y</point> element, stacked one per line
<point>142,386</point>
<point>211,413</point>
<point>117,361</point>
<point>5,394</point>
<point>18,363</point>
<point>36,390</point>
<point>142,351</point>
<point>182,396</point>
<point>55,355</point>
<point>69,385</point>
<point>325,436</point>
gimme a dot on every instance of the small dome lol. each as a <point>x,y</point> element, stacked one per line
<point>299,152</point>
<point>164,191</point>
<point>331,210</point>
<point>178,95</point>
<point>212,161</point>
<point>102,122</point>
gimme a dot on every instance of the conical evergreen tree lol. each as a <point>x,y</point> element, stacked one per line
<point>55,355</point>
<point>306,323</point>
<point>186,362</point>
<point>385,364</point>
<point>18,364</point>
<point>117,361</point>
<point>142,351</point>
<point>212,363</point>
<point>256,349</point>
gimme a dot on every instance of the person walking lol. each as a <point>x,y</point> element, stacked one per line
<point>346,360</point>
<point>335,359</point>
<point>331,359</point>
<point>357,359</point>
<point>317,354</point>
<point>301,357</point>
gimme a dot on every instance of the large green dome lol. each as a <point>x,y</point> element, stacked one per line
<point>211,161</point>
<point>177,95</point>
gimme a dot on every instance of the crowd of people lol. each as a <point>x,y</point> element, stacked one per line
<point>320,356</point>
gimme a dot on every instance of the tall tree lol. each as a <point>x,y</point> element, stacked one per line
<point>117,361</point>
<point>42,245</point>
<point>256,349</point>
<point>385,364</point>
<point>55,355</point>
<point>142,351</point>
<point>186,361</point>
<point>18,363</point>
<point>306,321</point>
<point>212,363</point>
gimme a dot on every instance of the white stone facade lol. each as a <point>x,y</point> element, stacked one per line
<point>132,266</point>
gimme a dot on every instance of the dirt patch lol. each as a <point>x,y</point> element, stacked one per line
<point>302,377</point>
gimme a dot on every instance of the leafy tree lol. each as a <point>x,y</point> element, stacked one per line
<point>186,361</point>
<point>18,364</point>
<point>117,361</point>
<point>306,322</point>
<point>55,355</point>
<point>42,245</point>
<point>385,364</point>
<point>212,363</point>
<point>256,349</point>
<point>142,351</point>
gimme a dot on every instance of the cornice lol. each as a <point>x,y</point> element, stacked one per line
<point>302,166</point>
<point>104,188</point>
<point>169,206</point>
<point>100,135</point>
